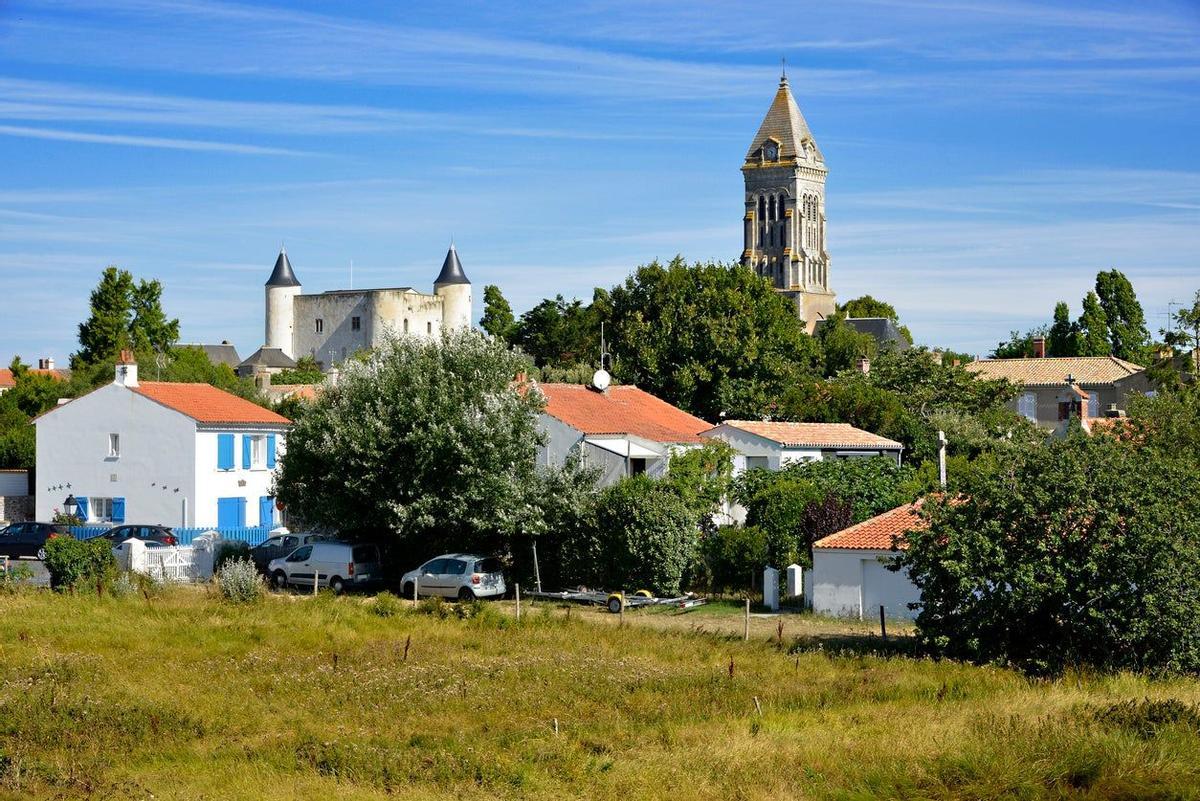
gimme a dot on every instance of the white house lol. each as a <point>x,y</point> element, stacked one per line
<point>850,573</point>
<point>622,430</point>
<point>774,445</point>
<point>160,453</point>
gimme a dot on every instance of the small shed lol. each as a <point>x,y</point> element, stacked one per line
<point>850,567</point>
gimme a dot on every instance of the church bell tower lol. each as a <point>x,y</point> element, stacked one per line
<point>784,226</point>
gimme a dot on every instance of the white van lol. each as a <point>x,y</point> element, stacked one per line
<point>336,565</point>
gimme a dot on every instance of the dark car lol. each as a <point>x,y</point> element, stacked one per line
<point>280,545</point>
<point>29,539</point>
<point>161,534</point>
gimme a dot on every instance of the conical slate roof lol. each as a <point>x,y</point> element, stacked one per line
<point>785,124</point>
<point>282,275</point>
<point>452,271</point>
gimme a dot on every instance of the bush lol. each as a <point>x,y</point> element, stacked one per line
<point>72,563</point>
<point>732,556</point>
<point>240,582</point>
<point>1146,717</point>
<point>387,605</point>
<point>642,534</point>
<point>228,551</point>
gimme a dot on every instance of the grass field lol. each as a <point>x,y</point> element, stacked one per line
<point>187,697</point>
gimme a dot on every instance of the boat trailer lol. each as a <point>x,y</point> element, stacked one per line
<point>615,602</point>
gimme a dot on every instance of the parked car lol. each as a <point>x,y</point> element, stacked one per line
<point>279,546</point>
<point>29,539</point>
<point>160,534</point>
<point>336,565</point>
<point>456,575</point>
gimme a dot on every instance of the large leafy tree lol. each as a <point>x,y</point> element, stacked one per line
<point>558,333</point>
<point>713,339</point>
<point>843,345</point>
<point>1093,328</point>
<point>1062,339</point>
<point>867,306</point>
<point>427,444</point>
<point>1127,334</point>
<point>498,319</point>
<point>124,314</point>
<point>1059,558</point>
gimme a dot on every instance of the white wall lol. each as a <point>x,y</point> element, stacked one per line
<point>157,446</point>
<point>212,483</point>
<point>854,583</point>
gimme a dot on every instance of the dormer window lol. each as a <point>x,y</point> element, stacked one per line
<point>771,151</point>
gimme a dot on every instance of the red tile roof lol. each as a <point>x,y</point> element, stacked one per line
<point>878,533</point>
<point>621,410</point>
<point>207,404</point>
<point>815,435</point>
<point>8,382</point>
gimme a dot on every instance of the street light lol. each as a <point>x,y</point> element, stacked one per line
<point>70,506</point>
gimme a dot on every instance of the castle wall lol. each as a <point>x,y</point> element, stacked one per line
<point>397,312</point>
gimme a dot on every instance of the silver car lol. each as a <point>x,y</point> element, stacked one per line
<point>457,575</point>
<point>336,565</point>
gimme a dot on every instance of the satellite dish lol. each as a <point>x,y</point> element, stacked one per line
<point>601,379</point>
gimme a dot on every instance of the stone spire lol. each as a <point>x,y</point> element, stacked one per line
<point>785,124</point>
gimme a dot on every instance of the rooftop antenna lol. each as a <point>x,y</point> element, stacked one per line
<point>783,69</point>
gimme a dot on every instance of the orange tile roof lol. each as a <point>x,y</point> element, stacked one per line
<point>205,403</point>
<point>1053,371</point>
<point>880,532</point>
<point>7,381</point>
<point>621,410</point>
<point>815,435</point>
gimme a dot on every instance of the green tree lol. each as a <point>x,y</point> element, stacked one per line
<point>498,319</point>
<point>1093,328</point>
<point>560,333</point>
<point>867,306</point>
<point>713,339</point>
<point>306,371</point>
<point>702,478</point>
<point>1127,334</point>
<point>1063,340</point>
<point>843,345</point>
<point>1103,571</point>
<point>1018,345</point>
<point>427,444</point>
<point>124,314</point>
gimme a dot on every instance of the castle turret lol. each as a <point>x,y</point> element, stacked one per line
<point>282,289</point>
<point>454,288</point>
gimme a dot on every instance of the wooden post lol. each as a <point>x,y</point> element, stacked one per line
<point>316,578</point>
<point>882,624</point>
<point>537,573</point>
<point>517,588</point>
<point>621,622</point>
<point>746,632</point>
<point>416,588</point>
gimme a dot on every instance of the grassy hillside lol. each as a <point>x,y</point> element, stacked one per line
<point>186,696</point>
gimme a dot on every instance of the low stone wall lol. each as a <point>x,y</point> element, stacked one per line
<point>16,508</point>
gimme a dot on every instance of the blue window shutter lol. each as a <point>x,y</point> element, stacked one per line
<point>245,451</point>
<point>241,512</point>
<point>118,512</point>
<point>224,451</point>
<point>266,511</point>
<point>227,513</point>
<point>83,509</point>
<point>271,451</point>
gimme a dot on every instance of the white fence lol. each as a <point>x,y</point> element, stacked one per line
<point>181,563</point>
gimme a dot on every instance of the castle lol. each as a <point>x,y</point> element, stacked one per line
<point>330,326</point>
<point>784,224</point>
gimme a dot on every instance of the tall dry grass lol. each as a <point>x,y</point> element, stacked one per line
<point>185,696</point>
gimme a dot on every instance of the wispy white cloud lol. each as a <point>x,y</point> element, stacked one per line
<point>160,142</point>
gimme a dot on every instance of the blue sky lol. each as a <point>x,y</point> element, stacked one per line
<point>986,159</point>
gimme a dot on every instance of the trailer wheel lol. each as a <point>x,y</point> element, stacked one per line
<point>616,602</point>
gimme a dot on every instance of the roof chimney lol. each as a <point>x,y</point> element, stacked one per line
<point>1039,347</point>
<point>126,370</point>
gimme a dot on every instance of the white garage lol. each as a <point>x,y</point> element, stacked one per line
<point>850,568</point>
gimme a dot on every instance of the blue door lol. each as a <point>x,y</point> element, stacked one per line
<point>266,511</point>
<point>231,512</point>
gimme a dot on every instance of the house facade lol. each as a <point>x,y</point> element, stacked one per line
<point>850,568</point>
<point>187,455</point>
<point>621,430</point>
<point>1050,386</point>
<point>774,445</point>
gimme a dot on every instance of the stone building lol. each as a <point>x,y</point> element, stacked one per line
<point>330,326</point>
<point>784,224</point>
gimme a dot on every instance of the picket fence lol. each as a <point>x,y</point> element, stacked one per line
<point>251,535</point>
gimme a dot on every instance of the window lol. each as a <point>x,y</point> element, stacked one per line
<point>756,463</point>
<point>114,446</point>
<point>433,567</point>
<point>428,328</point>
<point>258,452</point>
<point>355,323</point>
<point>100,510</point>
<point>1093,409</point>
<point>406,325</point>
<point>637,467</point>
<point>291,542</point>
<point>319,325</point>
<point>455,567</point>
<point>300,554</point>
<point>1027,406</point>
